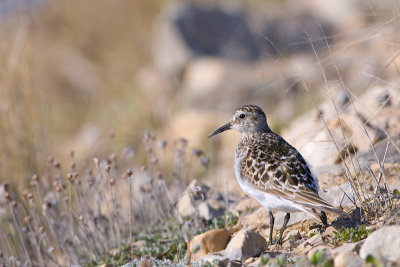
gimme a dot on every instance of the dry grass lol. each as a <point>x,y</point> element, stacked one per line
<point>78,214</point>
<point>65,68</point>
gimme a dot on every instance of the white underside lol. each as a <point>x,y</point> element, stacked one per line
<point>268,201</point>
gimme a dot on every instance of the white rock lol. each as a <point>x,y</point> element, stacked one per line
<point>204,75</point>
<point>384,242</point>
<point>352,247</point>
<point>348,259</point>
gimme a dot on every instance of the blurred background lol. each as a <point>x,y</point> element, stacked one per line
<point>93,76</point>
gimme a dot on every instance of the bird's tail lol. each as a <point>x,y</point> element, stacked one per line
<point>314,204</point>
<point>319,212</point>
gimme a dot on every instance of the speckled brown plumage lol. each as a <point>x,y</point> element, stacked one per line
<point>271,170</point>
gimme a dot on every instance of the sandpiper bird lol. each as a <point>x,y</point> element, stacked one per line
<point>272,171</point>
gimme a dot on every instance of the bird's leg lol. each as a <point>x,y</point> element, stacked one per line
<point>285,222</point>
<point>271,226</point>
<point>324,219</point>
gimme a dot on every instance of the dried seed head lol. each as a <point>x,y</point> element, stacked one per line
<point>159,176</point>
<point>35,177</point>
<point>33,183</point>
<point>27,219</point>
<point>50,160</point>
<point>197,152</point>
<point>24,193</point>
<point>80,218</point>
<point>7,195</point>
<point>69,177</point>
<point>112,181</point>
<point>96,162</point>
<point>107,168</point>
<point>154,160</point>
<point>57,164</point>
<point>205,161</point>
<point>41,229</point>
<point>5,187</point>
<point>29,196</point>
<point>13,203</point>
<point>129,172</point>
<point>162,143</point>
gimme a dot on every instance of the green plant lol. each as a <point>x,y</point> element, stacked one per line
<point>264,259</point>
<point>320,258</point>
<point>375,261</point>
<point>352,234</point>
<point>280,261</point>
<point>312,234</point>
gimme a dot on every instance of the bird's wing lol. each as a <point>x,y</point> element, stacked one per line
<point>285,175</point>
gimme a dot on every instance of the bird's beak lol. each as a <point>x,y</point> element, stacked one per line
<point>221,129</point>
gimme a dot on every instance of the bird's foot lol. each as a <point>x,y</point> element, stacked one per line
<point>276,242</point>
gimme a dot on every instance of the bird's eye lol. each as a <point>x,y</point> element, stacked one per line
<point>242,116</point>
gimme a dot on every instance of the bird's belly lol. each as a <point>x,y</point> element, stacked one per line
<point>268,201</point>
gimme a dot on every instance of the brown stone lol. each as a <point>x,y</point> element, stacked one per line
<point>209,242</point>
<point>245,244</point>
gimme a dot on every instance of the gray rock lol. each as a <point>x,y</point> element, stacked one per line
<point>207,212</point>
<point>245,244</point>
<point>392,154</point>
<point>199,198</point>
<point>314,241</point>
<point>384,242</point>
<point>288,244</point>
<point>293,235</point>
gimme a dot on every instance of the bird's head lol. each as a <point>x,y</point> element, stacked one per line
<point>246,120</point>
